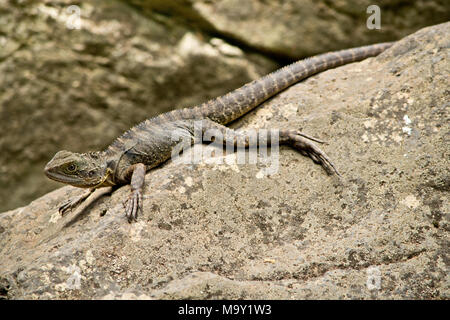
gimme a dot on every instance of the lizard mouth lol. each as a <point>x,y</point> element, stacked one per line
<point>68,179</point>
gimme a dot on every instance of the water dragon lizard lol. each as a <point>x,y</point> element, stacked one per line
<point>150,143</point>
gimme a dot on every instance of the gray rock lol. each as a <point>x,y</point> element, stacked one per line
<point>225,231</point>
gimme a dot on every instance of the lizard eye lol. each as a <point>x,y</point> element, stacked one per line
<point>91,173</point>
<point>71,168</point>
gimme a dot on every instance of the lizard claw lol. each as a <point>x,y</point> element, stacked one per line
<point>66,206</point>
<point>133,205</point>
<point>304,144</point>
<point>72,203</point>
<point>309,137</point>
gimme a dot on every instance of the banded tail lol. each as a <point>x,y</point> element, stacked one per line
<point>233,105</point>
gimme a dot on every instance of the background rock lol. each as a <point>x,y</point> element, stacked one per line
<point>301,28</point>
<point>223,231</point>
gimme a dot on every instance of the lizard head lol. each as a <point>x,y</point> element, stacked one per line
<point>83,170</point>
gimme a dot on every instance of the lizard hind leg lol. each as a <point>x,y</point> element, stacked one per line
<point>296,139</point>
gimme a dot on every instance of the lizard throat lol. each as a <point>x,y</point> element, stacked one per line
<point>107,180</point>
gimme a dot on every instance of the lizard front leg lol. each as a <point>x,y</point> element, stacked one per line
<point>72,203</point>
<point>134,202</point>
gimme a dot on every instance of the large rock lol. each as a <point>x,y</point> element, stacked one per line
<point>301,28</point>
<point>78,89</point>
<point>227,231</point>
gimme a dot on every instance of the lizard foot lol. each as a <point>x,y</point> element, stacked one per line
<point>66,206</point>
<point>133,204</point>
<point>72,203</point>
<point>303,143</point>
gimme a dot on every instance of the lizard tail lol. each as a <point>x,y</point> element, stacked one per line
<point>233,105</point>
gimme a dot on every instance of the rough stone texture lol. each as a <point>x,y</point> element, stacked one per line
<point>301,28</point>
<point>79,89</point>
<point>225,231</point>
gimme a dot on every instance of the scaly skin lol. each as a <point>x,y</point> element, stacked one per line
<point>150,143</point>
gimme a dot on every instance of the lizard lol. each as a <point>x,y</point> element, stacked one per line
<point>148,144</point>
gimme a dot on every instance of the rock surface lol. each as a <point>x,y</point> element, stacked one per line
<point>225,231</point>
<point>78,89</point>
